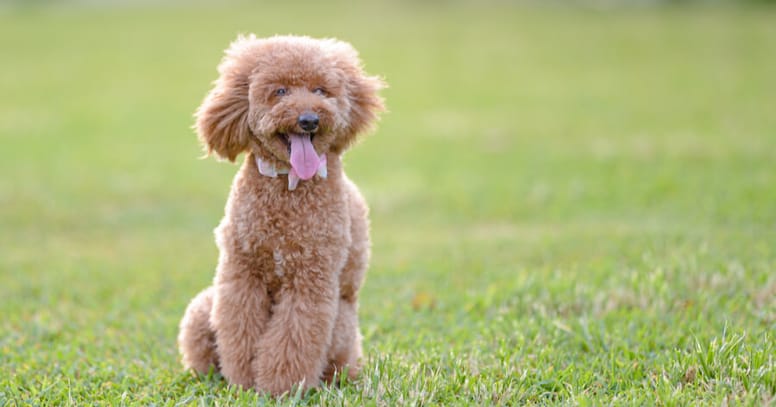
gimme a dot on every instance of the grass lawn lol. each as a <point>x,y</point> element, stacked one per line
<point>569,205</point>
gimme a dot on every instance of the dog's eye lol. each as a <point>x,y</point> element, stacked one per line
<point>319,91</point>
<point>280,92</point>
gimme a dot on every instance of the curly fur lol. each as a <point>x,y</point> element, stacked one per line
<point>282,310</point>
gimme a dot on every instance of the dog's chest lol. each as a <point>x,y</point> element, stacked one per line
<point>289,223</point>
<point>287,240</point>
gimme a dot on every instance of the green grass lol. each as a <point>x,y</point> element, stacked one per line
<point>568,205</point>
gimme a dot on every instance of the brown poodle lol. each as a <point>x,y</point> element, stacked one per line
<point>294,242</point>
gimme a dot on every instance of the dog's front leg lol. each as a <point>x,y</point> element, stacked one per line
<point>292,349</point>
<point>240,312</point>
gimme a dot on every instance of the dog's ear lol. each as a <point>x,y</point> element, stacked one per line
<point>222,119</point>
<point>364,100</point>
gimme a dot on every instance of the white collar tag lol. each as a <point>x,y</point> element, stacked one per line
<point>269,170</point>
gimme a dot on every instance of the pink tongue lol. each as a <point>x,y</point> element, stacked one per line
<point>304,159</point>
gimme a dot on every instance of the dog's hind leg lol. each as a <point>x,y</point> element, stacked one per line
<point>345,351</point>
<point>196,339</point>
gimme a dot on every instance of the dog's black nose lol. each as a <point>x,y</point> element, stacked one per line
<point>308,121</point>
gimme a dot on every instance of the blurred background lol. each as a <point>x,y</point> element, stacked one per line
<point>598,158</point>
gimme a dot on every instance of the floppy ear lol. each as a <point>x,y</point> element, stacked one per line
<point>222,119</point>
<point>365,105</point>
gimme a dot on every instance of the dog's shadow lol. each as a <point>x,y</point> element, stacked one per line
<point>212,386</point>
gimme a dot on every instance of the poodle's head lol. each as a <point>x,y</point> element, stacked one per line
<point>285,96</point>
